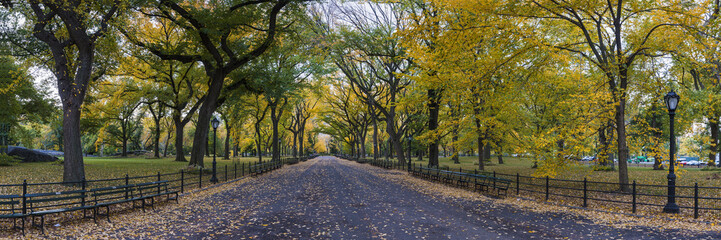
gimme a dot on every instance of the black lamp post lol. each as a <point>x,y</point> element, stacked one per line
<point>215,124</point>
<point>410,140</point>
<point>671,100</point>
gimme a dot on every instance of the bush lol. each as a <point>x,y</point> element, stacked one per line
<point>601,168</point>
<point>6,160</point>
<point>711,168</point>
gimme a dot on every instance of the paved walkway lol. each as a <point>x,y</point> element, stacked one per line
<point>328,198</point>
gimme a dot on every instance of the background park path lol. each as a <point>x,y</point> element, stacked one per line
<point>329,198</point>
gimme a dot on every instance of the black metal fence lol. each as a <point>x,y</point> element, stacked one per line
<point>182,182</point>
<point>647,198</point>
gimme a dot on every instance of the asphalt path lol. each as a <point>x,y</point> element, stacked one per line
<point>330,198</point>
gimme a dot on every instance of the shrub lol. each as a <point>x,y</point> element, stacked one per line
<point>602,168</point>
<point>711,168</point>
<point>7,160</point>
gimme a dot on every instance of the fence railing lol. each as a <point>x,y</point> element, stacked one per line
<point>182,182</point>
<point>647,198</point>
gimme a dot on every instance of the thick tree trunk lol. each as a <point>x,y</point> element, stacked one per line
<point>73,166</point>
<point>487,153</point>
<point>622,146</point>
<point>258,151</point>
<point>454,146</point>
<point>200,139</point>
<point>432,126</point>
<point>499,154</point>
<point>207,147</point>
<point>481,164</point>
<point>301,148</point>
<point>125,148</point>
<point>179,126</point>
<point>375,130</point>
<point>274,120</point>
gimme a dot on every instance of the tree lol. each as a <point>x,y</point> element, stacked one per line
<point>611,36</point>
<point>71,34</point>
<point>227,37</point>
<point>176,85</point>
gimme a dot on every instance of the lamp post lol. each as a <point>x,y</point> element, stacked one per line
<point>214,123</point>
<point>671,100</point>
<point>410,140</point>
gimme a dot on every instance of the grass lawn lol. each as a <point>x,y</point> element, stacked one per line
<point>107,167</point>
<point>643,175</point>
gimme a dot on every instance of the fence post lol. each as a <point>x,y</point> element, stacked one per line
<point>182,180</point>
<point>494,179</point>
<point>226,173</point>
<point>633,210</point>
<point>82,201</point>
<point>695,200</point>
<point>585,192</point>
<point>200,178</point>
<point>547,179</point>
<point>25,192</point>
<point>127,182</point>
<point>518,184</point>
<point>242,169</point>
<point>235,170</point>
<point>158,181</point>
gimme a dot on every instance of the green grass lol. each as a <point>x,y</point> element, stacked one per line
<point>108,167</point>
<point>643,175</point>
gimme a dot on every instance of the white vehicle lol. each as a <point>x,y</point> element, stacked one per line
<point>693,163</point>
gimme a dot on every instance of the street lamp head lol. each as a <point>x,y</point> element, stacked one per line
<point>671,100</point>
<point>215,123</point>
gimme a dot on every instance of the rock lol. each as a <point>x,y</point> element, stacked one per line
<point>28,155</point>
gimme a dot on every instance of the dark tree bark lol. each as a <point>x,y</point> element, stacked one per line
<point>276,112</point>
<point>433,107</point>
<point>499,154</point>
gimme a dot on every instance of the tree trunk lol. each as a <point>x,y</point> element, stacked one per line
<point>375,130</point>
<point>713,146</point>
<point>179,126</point>
<point>73,166</point>
<point>295,145</point>
<point>454,146</point>
<point>227,141</point>
<point>200,140</point>
<point>125,147</point>
<point>487,153</point>
<point>258,151</point>
<point>301,149</point>
<point>207,146</point>
<point>499,154</point>
<point>481,164</point>
<point>165,144</point>
<point>622,146</point>
<point>433,108</point>
<point>275,119</point>
<point>156,148</point>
